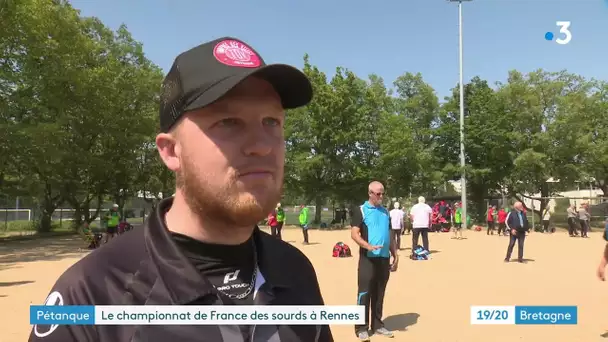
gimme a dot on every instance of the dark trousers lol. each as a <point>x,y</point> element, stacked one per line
<point>407,228</point>
<point>276,230</point>
<point>545,225</point>
<point>584,227</point>
<point>520,237</point>
<point>572,226</point>
<point>396,236</point>
<point>502,227</point>
<point>305,233</point>
<point>490,227</point>
<point>373,274</point>
<point>416,236</point>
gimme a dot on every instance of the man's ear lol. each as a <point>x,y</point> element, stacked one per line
<point>169,150</point>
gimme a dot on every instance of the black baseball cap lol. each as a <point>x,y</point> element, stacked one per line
<point>202,75</point>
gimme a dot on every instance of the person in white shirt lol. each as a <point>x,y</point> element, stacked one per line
<point>396,224</point>
<point>421,222</point>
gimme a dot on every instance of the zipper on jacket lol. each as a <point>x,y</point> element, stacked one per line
<point>252,334</point>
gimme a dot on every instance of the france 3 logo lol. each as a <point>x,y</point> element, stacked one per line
<point>564,30</point>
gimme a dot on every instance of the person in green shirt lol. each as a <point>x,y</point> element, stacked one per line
<point>280,216</point>
<point>458,221</point>
<point>112,220</point>
<point>303,218</point>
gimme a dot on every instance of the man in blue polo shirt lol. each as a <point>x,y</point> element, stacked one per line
<point>371,231</point>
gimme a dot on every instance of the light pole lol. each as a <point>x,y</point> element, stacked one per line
<point>463,181</point>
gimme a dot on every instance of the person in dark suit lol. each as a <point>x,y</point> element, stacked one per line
<point>517,225</point>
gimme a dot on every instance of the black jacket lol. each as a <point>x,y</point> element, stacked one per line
<point>145,267</point>
<point>513,221</point>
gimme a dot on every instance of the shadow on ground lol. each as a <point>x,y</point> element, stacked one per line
<point>400,322</point>
<point>524,259</point>
<point>7,266</point>
<point>47,249</point>
<point>15,283</point>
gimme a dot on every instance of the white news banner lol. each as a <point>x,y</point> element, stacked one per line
<point>242,314</point>
<point>492,315</point>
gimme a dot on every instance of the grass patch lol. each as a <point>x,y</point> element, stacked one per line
<point>57,225</point>
<point>24,229</point>
<point>30,226</point>
<point>33,235</point>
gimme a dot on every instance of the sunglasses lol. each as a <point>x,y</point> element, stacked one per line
<point>377,193</point>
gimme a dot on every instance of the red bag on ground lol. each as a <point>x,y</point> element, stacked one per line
<point>341,250</point>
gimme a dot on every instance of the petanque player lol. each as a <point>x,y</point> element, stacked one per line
<point>273,222</point>
<point>280,217</point>
<point>517,224</point>
<point>304,220</point>
<point>457,221</point>
<point>421,222</point>
<point>222,117</point>
<point>397,216</point>
<point>371,231</point>
<point>112,219</point>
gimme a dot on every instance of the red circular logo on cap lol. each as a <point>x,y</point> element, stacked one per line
<point>236,54</point>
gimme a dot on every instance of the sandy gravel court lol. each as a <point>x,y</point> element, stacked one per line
<point>426,300</point>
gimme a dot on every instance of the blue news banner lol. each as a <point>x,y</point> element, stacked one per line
<point>56,315</point>
<point>62,315</point>
<point>525,315</point>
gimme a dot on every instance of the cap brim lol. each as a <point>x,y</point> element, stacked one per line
<point>293,87</point>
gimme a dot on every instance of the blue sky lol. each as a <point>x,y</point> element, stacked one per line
<point>385,37</point>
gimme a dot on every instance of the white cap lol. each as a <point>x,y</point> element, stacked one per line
<point>115,205</point>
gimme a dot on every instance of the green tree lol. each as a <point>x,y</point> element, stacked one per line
<point>123,89</point>
<point>487,144</point>
<point>155,181</point>
<point>42,52</point>
<point>583,128</point>
<point>133,115</point>
<point>331,142</point>
<point>418,104</point>
<point>537,103</point>
<point>81,98</point>
<point>306,168</point>
<point>399,154</point>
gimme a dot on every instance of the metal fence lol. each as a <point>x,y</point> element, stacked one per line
<point>19,217</point>
<point>12,216</point>
<point>556,209</point>
<point>558,206</point>
<point>8,214</point>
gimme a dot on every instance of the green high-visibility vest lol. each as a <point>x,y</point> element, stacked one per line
<point>458,215</point>
<point>280,215</point>
<point>303,216</point>
<point>113,218</point>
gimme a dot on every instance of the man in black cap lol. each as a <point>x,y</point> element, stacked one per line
<point>222,115</point>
